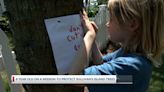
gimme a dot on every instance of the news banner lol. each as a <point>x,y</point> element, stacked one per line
<point>71,79</point>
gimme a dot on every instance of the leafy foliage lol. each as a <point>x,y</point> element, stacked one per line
<point>92,11</point>
<point>4,25</point>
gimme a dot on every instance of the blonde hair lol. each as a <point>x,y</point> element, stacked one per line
<point>150,13</point>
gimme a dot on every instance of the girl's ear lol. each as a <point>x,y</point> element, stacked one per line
<point>134,24</point>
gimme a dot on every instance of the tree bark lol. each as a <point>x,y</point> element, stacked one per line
<point>32,44</point>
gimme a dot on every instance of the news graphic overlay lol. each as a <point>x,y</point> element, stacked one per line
<point>70,79</point>
<point>63,79</point>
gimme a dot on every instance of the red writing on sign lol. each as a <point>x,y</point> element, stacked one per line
<point>75,34</point>
<point>77,47</point>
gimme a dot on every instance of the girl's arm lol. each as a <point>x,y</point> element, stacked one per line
<point>96,55</point>
<point>82,56</point>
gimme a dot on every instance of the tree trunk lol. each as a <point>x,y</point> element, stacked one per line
<point>32,44</point>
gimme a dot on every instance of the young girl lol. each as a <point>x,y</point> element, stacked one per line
<point>138,25</point>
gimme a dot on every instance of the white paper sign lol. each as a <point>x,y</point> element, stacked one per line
<point>66,35</point>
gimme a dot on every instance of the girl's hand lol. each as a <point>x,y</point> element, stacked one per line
<point>86,23</point>
<point>94,26</point>
<point>83,53</point>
